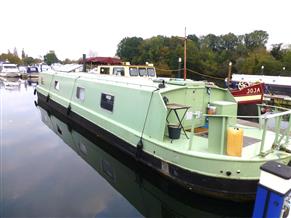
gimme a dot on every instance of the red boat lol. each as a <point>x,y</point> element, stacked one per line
<point>246,93</point>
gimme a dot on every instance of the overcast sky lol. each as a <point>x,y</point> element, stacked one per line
<point>72,28</point>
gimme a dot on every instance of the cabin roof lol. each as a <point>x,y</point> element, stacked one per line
<point>103,60</point>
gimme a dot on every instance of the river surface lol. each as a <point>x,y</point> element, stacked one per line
<point>49,169</point>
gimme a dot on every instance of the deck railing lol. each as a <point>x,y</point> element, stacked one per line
<point>271,112</point>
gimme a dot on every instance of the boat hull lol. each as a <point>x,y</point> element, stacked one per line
<point>252,94</point>
<point>223,188</point>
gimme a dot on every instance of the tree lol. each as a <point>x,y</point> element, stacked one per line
<point>29,61</point>
<point>211,41</point>
<point>276,51</point>
<point>11,58</point>
<point>67,61</point>
<point>51,58</point>
<point>256,39</point>
<point>286,62</point>
<point>258,58</point>
<point>128,48</point>
<point>209,54</point>
<point>194,39</point>
<point>23,55</point>
<point>15,53</point>
<point>229,41</point>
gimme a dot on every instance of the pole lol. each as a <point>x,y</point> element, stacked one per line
<point>179,67</point>
<point>84,62</point>
<point>229,74</point>
<point>185,56</point>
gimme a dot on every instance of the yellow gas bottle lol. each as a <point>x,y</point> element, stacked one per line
<point>234,141</point>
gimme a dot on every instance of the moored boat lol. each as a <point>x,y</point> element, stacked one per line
<point>279,85</point>
<point>9,70</point>
<point>165,125</point>
<point>32,71</point>
<point>127,70</point>
<point>247,93</point>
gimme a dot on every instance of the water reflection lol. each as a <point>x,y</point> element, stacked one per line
<point>151,194</point>
<point>40,175</point>
<point>14,83</point>
<point>8,83</point>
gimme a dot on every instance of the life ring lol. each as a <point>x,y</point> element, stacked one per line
<point>242,84</point>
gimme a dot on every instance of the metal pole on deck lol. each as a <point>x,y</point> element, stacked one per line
<point>185,56</point>
<point>84,62</point>
<point>179,67</point>
<point>229,74</point>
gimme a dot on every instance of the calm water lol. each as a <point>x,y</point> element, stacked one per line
<point>51,169</point>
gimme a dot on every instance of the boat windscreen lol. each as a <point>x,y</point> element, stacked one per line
<point>151,72</point>
<point>9,67</point>
<point>118,71</point>
<point>133,71</point>
<point>142,72</point>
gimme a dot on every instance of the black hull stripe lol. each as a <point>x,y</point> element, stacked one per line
<point>231,189</point>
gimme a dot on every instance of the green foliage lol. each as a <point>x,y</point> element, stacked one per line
<point>29,61</point>
<point>67,61</point>
<point>209,55</point>
<point>256,39</point>
<point>128,49</point>
<point>11,58</point>
<point>286,62</point>
<point>23,55</point>
<point>276,51</point>
<point>51,58</point>
<point>253,63</point>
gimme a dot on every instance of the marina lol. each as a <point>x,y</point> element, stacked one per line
<point>171,109</point>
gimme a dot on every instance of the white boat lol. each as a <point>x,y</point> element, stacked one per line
<point>43,67</point>
<point>126,70</point>
<point>32,71</point>
<point>9,70</point>
<point>67,67</point>
<point>280,85</point>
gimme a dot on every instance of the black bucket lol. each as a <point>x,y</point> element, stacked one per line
<point>174,131</point>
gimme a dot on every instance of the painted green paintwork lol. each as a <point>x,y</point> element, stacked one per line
<point>147,198</point>
<point>140,112</point>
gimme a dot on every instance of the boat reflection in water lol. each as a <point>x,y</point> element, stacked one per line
<point>10,83</point>
<point>150,193</point>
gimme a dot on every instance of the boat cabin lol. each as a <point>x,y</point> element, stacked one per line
<point>9,70</point>
<point>32,70</point>
<point>126,70</point>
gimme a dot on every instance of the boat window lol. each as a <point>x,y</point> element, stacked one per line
<point>151,72</point>
<point>119,71</point>
<point>57,85</point>
<point>10,67</point>
<point>32,70</point>
<point>133,71</point>
<point>108,169</point>
<point>80,94</point>
<point>107,101</point>
<point>104,70</point>
<point>142,71</point>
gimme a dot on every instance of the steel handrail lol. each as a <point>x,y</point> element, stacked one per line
<point>277,115</point>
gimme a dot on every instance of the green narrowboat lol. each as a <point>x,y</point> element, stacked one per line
<point>186,130</point>
<point>150,193</point>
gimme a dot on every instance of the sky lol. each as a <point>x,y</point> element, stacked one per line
<point>74,27</point>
